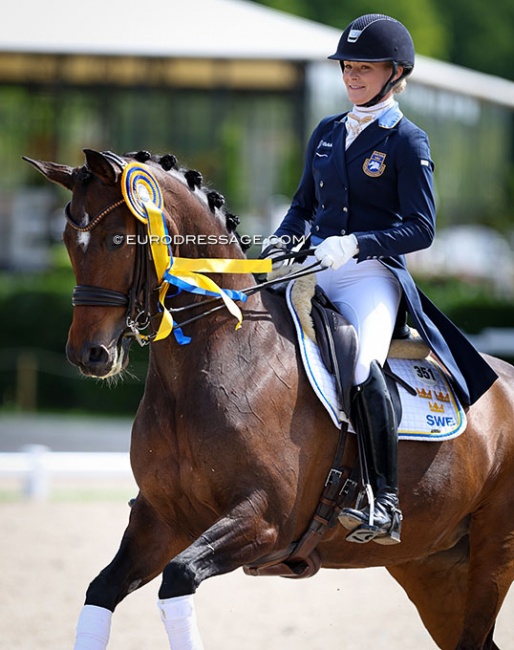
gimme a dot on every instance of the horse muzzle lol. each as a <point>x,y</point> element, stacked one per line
<point>95,359</point>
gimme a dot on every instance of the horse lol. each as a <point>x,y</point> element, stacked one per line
<point>230,447</point>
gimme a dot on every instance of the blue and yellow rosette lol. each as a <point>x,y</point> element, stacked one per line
<point>143,197</point>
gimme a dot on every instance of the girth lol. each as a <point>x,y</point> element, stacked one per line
<point>337,341</point>
<point>301,559</point>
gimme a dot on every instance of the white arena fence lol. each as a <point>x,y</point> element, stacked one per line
<point>36,465</point>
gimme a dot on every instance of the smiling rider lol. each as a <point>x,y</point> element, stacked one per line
<point>366,197</point>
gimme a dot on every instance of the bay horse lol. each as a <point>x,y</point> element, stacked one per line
<point>230,446</point>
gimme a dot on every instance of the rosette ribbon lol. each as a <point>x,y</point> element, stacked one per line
<point>143,197</point>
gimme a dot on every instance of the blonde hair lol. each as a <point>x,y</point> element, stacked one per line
<point>400,87</point>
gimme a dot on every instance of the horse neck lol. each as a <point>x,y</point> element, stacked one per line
<point>215,344</point>
<point>202,235</point>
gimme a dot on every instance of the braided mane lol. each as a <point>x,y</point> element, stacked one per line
<point>194,180</point>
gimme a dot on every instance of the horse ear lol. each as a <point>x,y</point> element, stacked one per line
<point>101,166</point>
<point>60,174</point>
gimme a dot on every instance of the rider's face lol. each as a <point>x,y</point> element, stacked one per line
<point>365,79</point>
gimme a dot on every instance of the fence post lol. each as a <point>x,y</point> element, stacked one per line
<point>26,381</point>
<point>37,483</point>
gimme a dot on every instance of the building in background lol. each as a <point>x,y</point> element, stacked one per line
<point>230,87</point>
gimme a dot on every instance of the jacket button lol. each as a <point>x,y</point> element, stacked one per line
<point>345,209</point>
<point>343,232</point>
<point>322,206</point>
<point>321,183</point>
<point>316,228</point>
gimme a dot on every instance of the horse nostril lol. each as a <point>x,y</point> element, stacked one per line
<point>96,355</point>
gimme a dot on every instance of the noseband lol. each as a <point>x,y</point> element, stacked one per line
<point>137,300</point>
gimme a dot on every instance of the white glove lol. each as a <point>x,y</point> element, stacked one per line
<point>335,251</point>
<point>276,247</point>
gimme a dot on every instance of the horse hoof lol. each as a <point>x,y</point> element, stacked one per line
<point>363,534</point>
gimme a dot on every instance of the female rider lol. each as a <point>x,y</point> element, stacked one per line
<point>366,195</point>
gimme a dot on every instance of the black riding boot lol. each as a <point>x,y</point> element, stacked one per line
<point>372,415</point>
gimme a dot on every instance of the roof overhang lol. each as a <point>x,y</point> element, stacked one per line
<point>202,31</point>
<point>219,29</point>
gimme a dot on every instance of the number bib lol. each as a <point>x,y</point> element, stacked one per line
<point>434,413</point>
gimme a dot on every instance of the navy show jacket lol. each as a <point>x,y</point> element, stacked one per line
<point>381,190</point>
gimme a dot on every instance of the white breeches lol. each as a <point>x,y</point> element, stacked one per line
<point>368,295</point>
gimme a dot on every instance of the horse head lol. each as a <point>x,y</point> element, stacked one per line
<point>116,295</point>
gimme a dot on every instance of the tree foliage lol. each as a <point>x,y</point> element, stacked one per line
<point>459,31</point>
<point>480,37</point>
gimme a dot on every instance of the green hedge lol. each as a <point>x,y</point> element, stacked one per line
<point>36,314</point>
<point>472,307</point>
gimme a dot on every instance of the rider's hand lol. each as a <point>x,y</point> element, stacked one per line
<point>335,251</point>
<point>273,247</point>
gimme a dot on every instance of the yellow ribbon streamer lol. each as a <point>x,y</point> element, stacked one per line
<point>217,265</point>
<point>191,270</point>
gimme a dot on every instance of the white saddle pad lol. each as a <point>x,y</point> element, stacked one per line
<point>433,414</point>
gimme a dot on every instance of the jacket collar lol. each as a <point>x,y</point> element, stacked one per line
<point>390,118</point>
<point>374,134</point>
<point>387,120</point>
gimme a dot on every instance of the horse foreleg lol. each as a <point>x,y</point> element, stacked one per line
<point>145,549</point>
<point>234,541</point>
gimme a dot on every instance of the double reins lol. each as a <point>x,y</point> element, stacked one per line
<point>287,277</point>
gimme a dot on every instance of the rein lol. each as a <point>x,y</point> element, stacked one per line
<point>308,270</point>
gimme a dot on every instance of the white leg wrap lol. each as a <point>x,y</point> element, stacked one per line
<point>93,628</point>
<point>179,617</point>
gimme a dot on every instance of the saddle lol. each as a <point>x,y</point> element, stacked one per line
<point>337,342</point>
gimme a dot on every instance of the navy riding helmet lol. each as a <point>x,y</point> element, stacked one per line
<point>376,37</point>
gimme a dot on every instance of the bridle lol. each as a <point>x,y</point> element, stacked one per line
<point>137,300</point>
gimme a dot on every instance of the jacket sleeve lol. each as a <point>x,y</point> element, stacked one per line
<point>416,219</point>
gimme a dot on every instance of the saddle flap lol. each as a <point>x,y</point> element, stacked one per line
<point>337,341</point>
